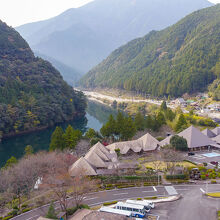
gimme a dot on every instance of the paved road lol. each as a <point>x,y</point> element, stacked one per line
<point>193,204</point>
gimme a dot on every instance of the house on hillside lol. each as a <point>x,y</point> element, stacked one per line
<point>181,102</point>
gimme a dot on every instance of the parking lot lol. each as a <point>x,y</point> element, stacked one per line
<point>206,157</point>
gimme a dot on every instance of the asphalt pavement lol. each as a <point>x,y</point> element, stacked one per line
<point>193,205</point>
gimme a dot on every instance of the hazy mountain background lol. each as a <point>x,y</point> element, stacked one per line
<point>81,38</point>
<point>183,58</point>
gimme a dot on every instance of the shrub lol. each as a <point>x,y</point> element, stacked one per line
<point>26,210</point>
<point>176,177</point>
<point>13,212</point>
<point>8,217</point>
<point>213,182</point>
<point>205,164</point>
<point>203,177</point>
<point>153,197</point>
<point>110,203</point>
<point>72,210</point>
<point>24,206</point>
<point>139,198</point>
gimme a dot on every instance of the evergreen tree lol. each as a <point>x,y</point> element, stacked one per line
<point>57,139</point>
<point>109,129</point>
<point>28,150</point>
<point>181,123</point>
<point>160,119</point>
<point>179,143</point>
<point>129,129</point>
<point>10,162</point>
<point>91,133</point>
<point>170,115</point>
<point>139,121</point>
<point>163,106</point>
<point>149,122</point>
<point>51,214</point>
<point>70,137</point>
<point>120,123</point>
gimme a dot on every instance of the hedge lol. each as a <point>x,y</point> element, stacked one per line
<point>176,177</point>
<point>110,203</point>
<point>8,217</point>
<point>72,210</point>
<point>26,210</point>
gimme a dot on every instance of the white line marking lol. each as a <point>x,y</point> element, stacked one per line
<point>154,188</point>
<point>33,217</point>
<point>119,194</point>
<point>91,198</point>
<point>148,191</point>
<point>202,190</point>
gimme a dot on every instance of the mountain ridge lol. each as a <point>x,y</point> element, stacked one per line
<point>83,37</point>
<point>33,94</point>
<point>174,61</point>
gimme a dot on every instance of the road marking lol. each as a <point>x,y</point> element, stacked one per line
<point>148,191</point>
<point>119,194</point>
<point>202,190</point>
<point>91,198</point>
<point>32,217</point>
<point>171,190</point>
<point>154,188</point>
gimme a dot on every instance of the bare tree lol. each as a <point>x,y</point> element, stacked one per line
<point>171,157</point>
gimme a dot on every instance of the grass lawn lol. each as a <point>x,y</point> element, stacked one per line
<point>216,194</point>
<point>163,165</point>
<point>218,215</point>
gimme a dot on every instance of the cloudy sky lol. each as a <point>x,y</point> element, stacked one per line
<point>17,12</point>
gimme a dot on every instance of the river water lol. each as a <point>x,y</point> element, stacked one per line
<point>96,116</point>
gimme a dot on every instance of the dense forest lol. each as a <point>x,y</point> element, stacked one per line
<point>179,59</point>
<point>32,92</point>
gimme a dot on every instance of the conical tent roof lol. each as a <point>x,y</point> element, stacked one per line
<point>209,133</point>
<point>97,150</point>
<point>166,141</point>
<point>216,139</point>
<point>149,142</point>
<point>195,138</point>
<point>216,131</point>
<point>82,166</point>
<point>102,148</point>
<point>124,147</point>
<point>93,158</point>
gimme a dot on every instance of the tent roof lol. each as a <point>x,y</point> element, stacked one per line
<point>82,165</point>
<point>99,152</point>
<point>94,159</point>
<point>216,131</point>
<point>195,138</point>
<point>166,141</point>
<point>148,142</point>
<point>123,146</point>
<point>209,133</point>
<point>217,139</point>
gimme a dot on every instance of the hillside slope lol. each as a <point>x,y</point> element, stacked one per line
<point>83,37</point>
<point>70,75</point>
<point>177,60</point>
<point>33,94</point>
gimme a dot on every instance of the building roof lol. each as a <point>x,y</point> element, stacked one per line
<point>148,142</point>
<point>216,130</point>
<point>94,159</point>
<point>96,149</point>
<point>123,146</point>
<point>82,165</point>
<point>166,141</point>
<point>209,133</point>
<point>195,138</point>
<point>217,139</point>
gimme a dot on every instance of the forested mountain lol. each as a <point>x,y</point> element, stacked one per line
<point>70,75</point>
<point>33,94</point>
<point>179,59</point>
<point>83,37</point>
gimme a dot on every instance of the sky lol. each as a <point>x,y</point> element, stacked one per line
<point>18,12</point>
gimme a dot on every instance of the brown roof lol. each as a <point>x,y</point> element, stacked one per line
<point>82,166</point>
<point>148,142</point>
<point>94,159</point>
<point>216,130</point>
<point>217,139</point>
<point>195,138</point>
<point>209,133</point>
<point>166,141</point>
